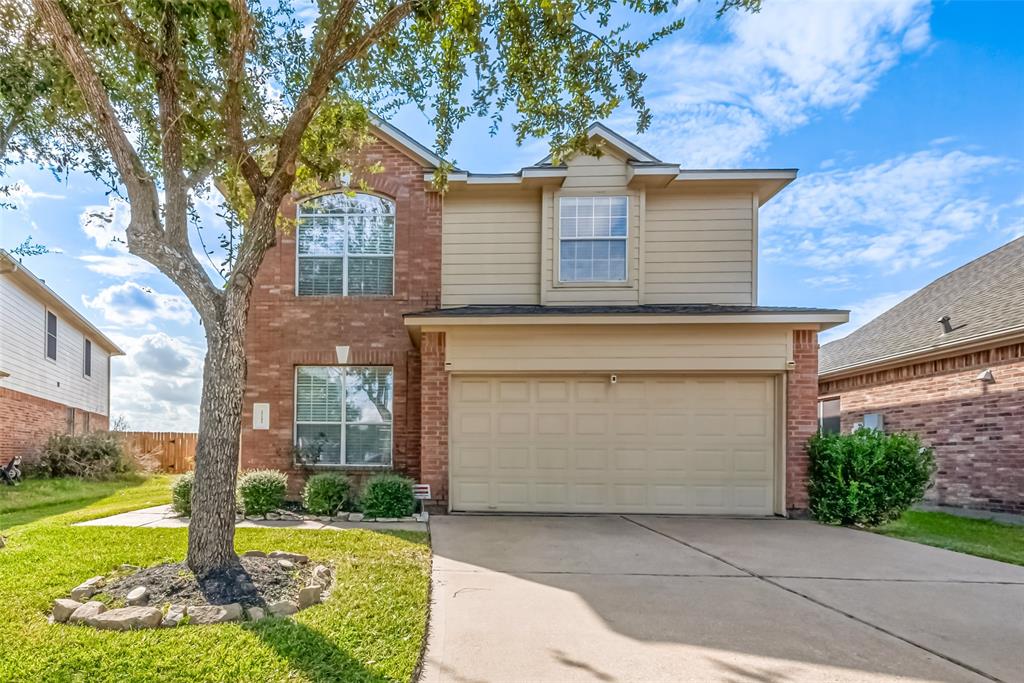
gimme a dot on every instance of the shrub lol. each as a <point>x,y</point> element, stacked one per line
<point>181,494</point>
<point>325,493</point>
<point>262,491</point>
<point>388,495</point>
<point>867,477</point>
<point>91,456</point>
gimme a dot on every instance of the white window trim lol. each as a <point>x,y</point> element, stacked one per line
<point>345,255</point>
<point>344,388</point>
<point>625,281</point>
<point>46,335</point>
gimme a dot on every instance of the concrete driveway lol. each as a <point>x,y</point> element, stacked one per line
<point>611,598</point>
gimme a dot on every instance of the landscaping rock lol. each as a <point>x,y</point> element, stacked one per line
<point>129,568</point>
<point>273,516</point>
<point>138,596</point>
<point>255,613</point>
<point>322,575</point>
<point>283,608</point>
<point>410,518</point>
<point>341,516</point>
<point>310,595</point>
<point>87,588</point>
<point>214,614</point>
<point>87,611</point>
<point>254,553</point>
<point>297,558</point>
<point>286,564</point>
<point>355,516</point>
<point>387,519</point>
<point>126,619</point>
<point>323,518</point>
<point>63,609</point>
<point>174,616</point>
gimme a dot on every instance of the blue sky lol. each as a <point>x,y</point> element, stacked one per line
<point>904,118</point>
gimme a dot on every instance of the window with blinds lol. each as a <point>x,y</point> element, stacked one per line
<point>346,246</point>
<point>343,414</point>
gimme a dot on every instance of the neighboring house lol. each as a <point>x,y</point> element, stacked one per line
<point>566,338</point>
<point>948,364</point>
<point>54,365</point>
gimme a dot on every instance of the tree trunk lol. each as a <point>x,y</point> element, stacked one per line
<point>212,530</point>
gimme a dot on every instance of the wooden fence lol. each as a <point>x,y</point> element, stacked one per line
<point>175,451</point>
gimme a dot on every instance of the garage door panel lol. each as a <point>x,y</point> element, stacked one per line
<point>582,444</point>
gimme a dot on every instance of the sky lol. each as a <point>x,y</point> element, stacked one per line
<point>905,118</point>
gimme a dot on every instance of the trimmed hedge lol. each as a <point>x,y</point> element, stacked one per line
<point>262,491</point>
<point>867,477</point>
<point>325,493</point>
<point>388,495</point>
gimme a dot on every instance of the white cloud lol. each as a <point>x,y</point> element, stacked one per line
<point>21,195</point>
<point>718,103</point>
<point>106,224</point>
<point>863,312</point>
<point>122,266</point>
<point>898,214</point>
<point>129,303</point>
<point>157,384</point>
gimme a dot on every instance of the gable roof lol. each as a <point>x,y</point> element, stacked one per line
<point>24,278</point>
<point>400,139</point>
<point>984,300</point>
<point>629,150</point>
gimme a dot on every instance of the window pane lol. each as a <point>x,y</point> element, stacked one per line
<point>617,260</point>
<point>51,346</point>
<point>371,234</point>
<point>88,358</point>
<point>368,394</point>
<point>321,276</point>
<point>342,203</point>
<point>369,275</point>
<point>51,323</point>
<point>593,261</point>
<point>321,236</point>
<point>368,444</point>
<point>318,392</point>
<point>320,443</point>
<point>617,226</point>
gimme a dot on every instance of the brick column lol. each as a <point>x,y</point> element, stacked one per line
<point>434,419</point>
<point>801,416</point>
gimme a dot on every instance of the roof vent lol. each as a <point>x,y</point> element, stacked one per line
<point>947,326</point>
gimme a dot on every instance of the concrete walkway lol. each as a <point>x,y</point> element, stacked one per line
<point>162,517</point>
<point>641,598</point>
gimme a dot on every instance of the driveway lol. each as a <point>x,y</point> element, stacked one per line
<point>641,598</point>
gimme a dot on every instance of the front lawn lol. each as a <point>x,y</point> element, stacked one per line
<point>370,629</point>
<point>984,538</point>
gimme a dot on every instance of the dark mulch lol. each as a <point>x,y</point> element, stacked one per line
<point>258,581</point>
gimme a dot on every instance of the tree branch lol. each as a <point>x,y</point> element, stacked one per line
<point>232,107</point>
<point>172,158</point>
<point>137,37</point>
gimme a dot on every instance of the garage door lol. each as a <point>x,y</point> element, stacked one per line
<point>665,444</point>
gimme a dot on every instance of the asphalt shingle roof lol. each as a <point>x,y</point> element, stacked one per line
<point>983,297</point>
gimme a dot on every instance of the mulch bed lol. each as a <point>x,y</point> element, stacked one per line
<point>259,581</point>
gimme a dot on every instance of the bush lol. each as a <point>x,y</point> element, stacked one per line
<point>96,455</point>
<point>181,494</point>
<point>324,494</point>
<point>867,477</point>
<point>262,491</point>
<point>388,495</point>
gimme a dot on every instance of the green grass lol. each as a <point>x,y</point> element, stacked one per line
<point>984,538</point>
<point>370,629</point>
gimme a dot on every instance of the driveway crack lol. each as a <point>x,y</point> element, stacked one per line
<point>772,582</point>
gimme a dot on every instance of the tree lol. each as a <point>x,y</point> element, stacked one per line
<point>262,101</point>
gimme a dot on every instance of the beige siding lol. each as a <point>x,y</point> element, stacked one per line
<point>491,247</point>
<point>618,348</point>
<point>700,248</point>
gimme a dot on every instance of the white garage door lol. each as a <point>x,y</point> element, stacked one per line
<point>663,444</point>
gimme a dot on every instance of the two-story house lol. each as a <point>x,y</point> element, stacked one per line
<point>582,337</point>
<point>54,365</point>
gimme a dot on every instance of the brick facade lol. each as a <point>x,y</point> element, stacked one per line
<point>28,422</point>
<point>975,427</point>
<point>801,416</point>
<point>434,418</point>
<point>286,330</point>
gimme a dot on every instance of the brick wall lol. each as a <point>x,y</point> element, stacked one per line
<point>434,417</point>
<point>28,421</point>
<point>801,416</point>
<point>976,428</point>
<point>285,330</point>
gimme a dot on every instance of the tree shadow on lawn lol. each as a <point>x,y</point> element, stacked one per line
<point>310,652</point>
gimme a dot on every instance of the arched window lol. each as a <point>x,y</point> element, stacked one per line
<point>346,245</point>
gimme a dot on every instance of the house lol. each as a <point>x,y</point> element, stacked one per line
<point>948,364</point>
<point>54,365</point>
<point>582,337</point>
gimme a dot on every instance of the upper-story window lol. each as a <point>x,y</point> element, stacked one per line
<point>592,239</point>
<point>51,336</point>
<point>87,359</point>
<point>346,245</point>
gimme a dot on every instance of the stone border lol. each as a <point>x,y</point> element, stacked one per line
<point>139,615</point>
<point>291,516</point>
